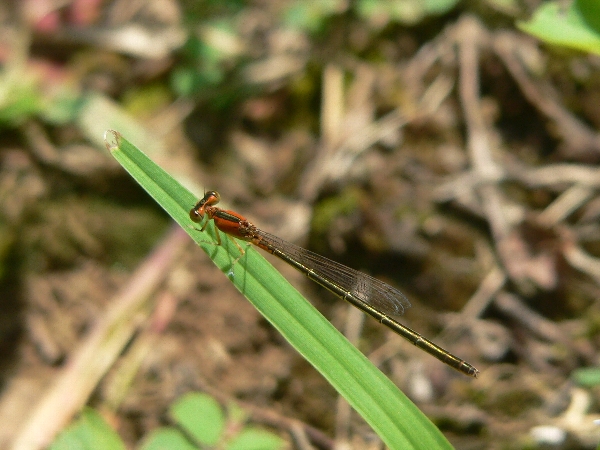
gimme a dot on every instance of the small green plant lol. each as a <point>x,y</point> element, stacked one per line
<point>588,377</point>
<point>89,431</point>
<point>197,422</point>
<point>313,16</point>
<point>201,423</point>
<point>24,95</point>
<point>407,12</point>
<point>576,26</point>
<point>207,58</point>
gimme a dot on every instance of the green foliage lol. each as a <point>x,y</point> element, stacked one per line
<point>19,100</point>
<point>88,432</point>
<point>201,423</point>
<point>167,438</point>
<point>407,12</point>
<point>576,27</point>
<point>215,51</point>
<point>210,63</point>
<point>313,15</point>
<point>188,409</point>
<point>23,95</point>
<point>198,423</point>
<point>208,57</point>
<point>587,377</point>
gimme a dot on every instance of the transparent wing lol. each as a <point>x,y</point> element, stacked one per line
<point>371,291</point>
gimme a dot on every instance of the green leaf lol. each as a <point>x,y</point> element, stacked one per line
<point>88,432</point>
<point>255,439</point>
<point>397,421</point>
<point>311,15</point>
<point>577,27</point>
<point>200,416</point>
<point>166,439</point>
<point>20,99</point>
<point>587,376</point>
<point>409,12</point>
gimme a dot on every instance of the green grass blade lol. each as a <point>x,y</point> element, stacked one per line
<point>399,423</point>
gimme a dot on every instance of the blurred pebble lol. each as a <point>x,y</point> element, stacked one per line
<point>549,435</point>
<point>420,387</point>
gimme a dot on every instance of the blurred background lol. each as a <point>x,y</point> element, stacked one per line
<point>449,148</point>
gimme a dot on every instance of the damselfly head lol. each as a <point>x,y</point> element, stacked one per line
<point>210,198</point>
